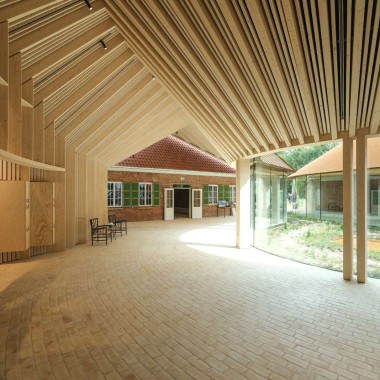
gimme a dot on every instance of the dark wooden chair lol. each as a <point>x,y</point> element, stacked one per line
<point>100,233</point>
<point>120,225</point>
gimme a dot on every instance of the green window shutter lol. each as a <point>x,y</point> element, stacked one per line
<point>134,194</point>
<point>126,194</point>
<point>156,194</point>
<point>220,192</point>
<point>205,194</point>
<point>226,192</point>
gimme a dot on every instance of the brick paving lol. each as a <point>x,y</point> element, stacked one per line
<point>175,300</point>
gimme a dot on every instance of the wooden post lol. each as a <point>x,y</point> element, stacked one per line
<point>15,119</point>
<point>347,208</point>
<point>361,207</point>
<point>4,88</point>
<point>243,209</point>
<point>27,119</point>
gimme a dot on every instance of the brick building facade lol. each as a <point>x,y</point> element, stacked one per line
<point>170,163</point>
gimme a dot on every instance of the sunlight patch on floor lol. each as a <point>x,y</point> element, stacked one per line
<point>220,240</point>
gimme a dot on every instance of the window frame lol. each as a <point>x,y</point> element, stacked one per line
<point>212,194</point>
<point>232,197</point>
<point>146,192</point>
<point>114,193</point>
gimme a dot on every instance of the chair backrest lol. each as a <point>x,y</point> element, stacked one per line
<point>94,223</point>
<point>112,218</point>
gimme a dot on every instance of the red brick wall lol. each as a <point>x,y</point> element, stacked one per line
<point>165,181</point>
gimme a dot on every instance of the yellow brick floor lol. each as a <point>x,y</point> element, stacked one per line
<point>176,300</point>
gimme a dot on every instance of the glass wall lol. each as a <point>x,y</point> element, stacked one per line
<point>374,197</point>
<point>268,189</point>
<point>313,196</point>
<point>299,196</point>
<point>332,196</point>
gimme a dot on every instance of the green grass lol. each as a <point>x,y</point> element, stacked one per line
<point>322,235</point>
<point>317,243</point>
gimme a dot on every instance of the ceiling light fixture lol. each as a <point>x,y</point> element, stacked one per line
<point>153,77</point>
<point>103,44</point>
<point>88,4</point>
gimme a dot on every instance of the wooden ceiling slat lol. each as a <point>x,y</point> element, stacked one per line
<point>12,9</point>
<point>348,67</point>
<point>84,84</point>
<point>256,54</point>
<point>281,43</point>
<point>241,90</point>
<point>55,79</point>
<point>242,84</point>
<point>115,95</point>
<point>253,76</point>
<point>371,81</point>
<point>312,49</point>
<point>300,63</point>
<point>65,49</point>
<point>215,85</point>
<point>201,115</point>
<point>267,40</point>
<point>335,54</point>
<point>327,60</point>
<point>240,51</point>
<point>356,66</point>
<point>285,40</point>
<point>229,74</point>
<point>302,25</point>
<point>318,25</point>
<point>200,82</point>
<point>44,28</point>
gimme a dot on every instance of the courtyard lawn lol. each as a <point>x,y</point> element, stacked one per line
<point>317,243</point>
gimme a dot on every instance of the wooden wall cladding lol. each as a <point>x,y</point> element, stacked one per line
<point>15,216</point>
<point>42,213</point>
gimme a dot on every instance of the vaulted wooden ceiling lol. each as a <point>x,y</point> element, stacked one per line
<point>249,76</point>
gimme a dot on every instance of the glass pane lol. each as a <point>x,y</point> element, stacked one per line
<point>313,198</point>
<point>148,194</point>
<point>142,194</point>
<point>197,198</point>
<point>169,199</point>
<point>299,196</point>
<point>332,197</point>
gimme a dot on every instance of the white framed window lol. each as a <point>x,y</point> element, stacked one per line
<point>114,194</point>
<point>212,194</point>
<point>232,198</point>
<point>145,194</point>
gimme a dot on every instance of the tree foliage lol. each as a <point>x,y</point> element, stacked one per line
<point>297,158</point>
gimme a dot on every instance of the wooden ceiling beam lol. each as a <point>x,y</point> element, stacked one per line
<point>198,79</point>
<point>46,27</point>
<point>83,85</point>
<point>57,52</point>
<point>221,82</point>
<point>58,78</point>
<point>196,111</point>
<point>300,64</point>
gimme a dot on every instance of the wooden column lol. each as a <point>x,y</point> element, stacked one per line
<point>38,133</point>
<point>15,111</point>
<point>348,219</point>
<point>60,198</point>
<point>49,145</point>
<point>4,90</point>
<point>361,207</point>
<point>71,198</point>
<point>27,119</point>
<point>243,204</point>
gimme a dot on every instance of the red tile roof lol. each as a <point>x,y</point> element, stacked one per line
<point>174,153</point>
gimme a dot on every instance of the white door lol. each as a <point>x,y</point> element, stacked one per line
<point>196,203</point>
<point>169,204</point>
